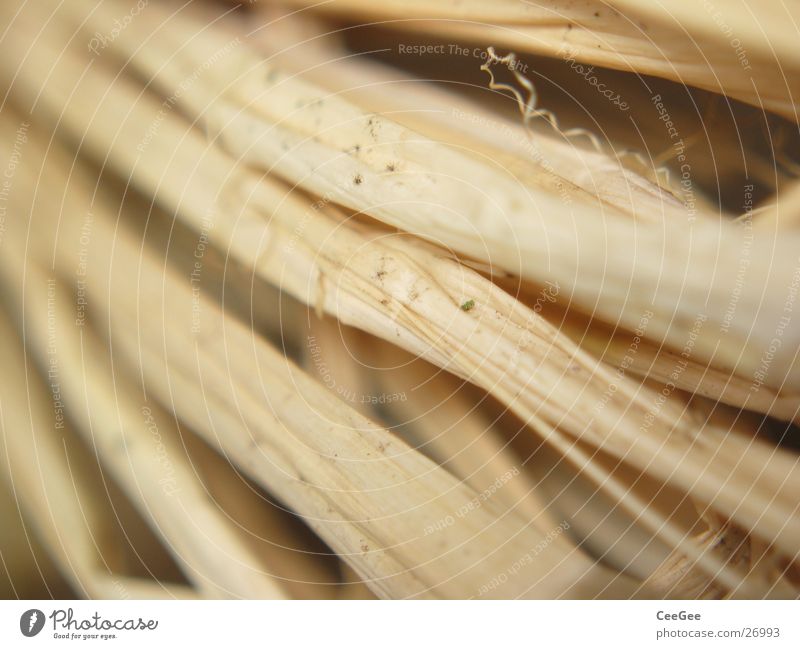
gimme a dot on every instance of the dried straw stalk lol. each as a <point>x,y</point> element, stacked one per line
<point>305,288</point>
<point>428,111</point>
<point>366,493</point>
<point>329,145</point>
<point>436,417</point>
<point>727,48</point>
<point>302,133</point>
<point>309,284</point>
<point>58,489</point>
<point>201,538</point>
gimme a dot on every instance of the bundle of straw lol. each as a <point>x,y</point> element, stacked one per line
<point>286,317</point>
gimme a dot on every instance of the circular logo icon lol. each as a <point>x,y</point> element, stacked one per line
<point>31,622</point>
